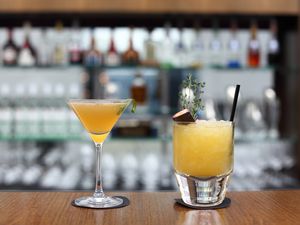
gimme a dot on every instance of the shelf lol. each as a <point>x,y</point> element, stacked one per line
<point>133,139</point>
<point>78,138</point>
<point>266,68</point>
<point>141,117</point>
<point>80,66</point>
<point>266,7</point>
<point>127,67</point>
<point>222,68</point>
<point>128,121</point>
<point>51,138</point>
<point>85,138</point>
<point>264,140</point>
<point>137,67</point>
<point>257,141</point>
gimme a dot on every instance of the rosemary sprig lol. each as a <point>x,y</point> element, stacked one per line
<point>190,95</point>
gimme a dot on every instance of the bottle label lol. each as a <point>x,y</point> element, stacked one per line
<point>9,55</point>
<point>254,45</point>
<point>26,58</point>
<point>112,59</point>
<point>75,56</point>
<point>59,54</point>
<point>150,51</point>
<point>93,60</point>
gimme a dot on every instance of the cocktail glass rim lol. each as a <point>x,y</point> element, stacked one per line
<point>91,100</point>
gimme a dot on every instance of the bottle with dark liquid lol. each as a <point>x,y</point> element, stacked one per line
<point>130,56</point>
<point>93,56</point>
<point>273,45</point>
<point>139,89</point>
<point>10,50</point>
<point>27,55</point>
<point>112,57</point>
<point>253,47</point>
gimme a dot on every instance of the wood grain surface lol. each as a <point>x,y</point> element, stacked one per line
<point>285,7</point>
<point>54,208</point>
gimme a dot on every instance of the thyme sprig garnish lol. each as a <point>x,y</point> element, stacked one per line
<point>190,95</point>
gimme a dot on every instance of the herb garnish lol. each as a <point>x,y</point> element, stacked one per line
<point>190,95</point>
<point>133,108</point>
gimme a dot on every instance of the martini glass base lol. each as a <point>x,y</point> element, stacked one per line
<point>98,203</point>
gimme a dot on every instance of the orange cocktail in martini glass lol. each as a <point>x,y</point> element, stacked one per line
<point>98,117</point>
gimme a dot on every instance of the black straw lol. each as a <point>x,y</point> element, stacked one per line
<point>236,96</point>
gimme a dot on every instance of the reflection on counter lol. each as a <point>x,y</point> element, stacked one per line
<point>193,217</point>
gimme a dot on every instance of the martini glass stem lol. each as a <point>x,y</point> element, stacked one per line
<point>98,187</point>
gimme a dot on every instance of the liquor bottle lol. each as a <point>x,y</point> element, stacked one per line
<point>215,48</point>
<point>44,50</point>
<point>150,58</point>
<point>130,56</point>
<point>273,45</point>
<point>27,55</point>
<point>234,48</point>
<point>112,58</point>
<point>75,53</point>
<point>139,89</point>
<point>60,56</point>
<point>10,50</point>
<point>166,55</point>
<point>180,49</point>
<point>93,57</point>
<point>197,48</point>
<point>253,47</point>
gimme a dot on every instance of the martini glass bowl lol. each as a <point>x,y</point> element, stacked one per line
<point>98,118</point>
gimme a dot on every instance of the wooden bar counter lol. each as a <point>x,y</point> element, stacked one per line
<point>54,208</point>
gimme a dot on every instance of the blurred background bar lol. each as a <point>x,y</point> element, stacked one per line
<point>53,51</point>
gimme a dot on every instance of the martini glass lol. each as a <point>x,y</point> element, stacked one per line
<point>98,117</point>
